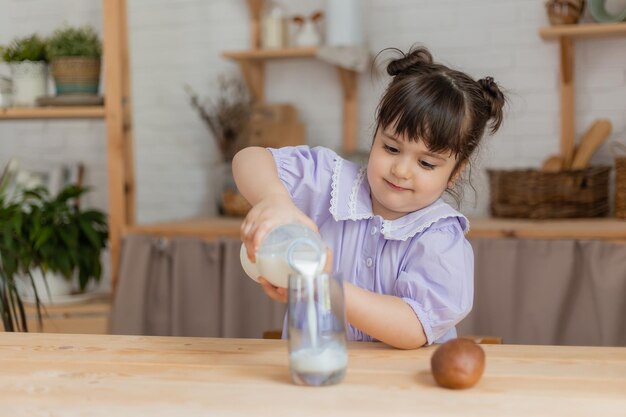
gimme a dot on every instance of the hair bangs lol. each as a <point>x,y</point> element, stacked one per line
<point>429,111</point>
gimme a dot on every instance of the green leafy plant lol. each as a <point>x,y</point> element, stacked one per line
<point>50,233</point>
<point>30,48</point>
<point>64,238</point>
<point>74,41</point>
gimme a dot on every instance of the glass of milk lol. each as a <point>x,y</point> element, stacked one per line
<point>316,329</point>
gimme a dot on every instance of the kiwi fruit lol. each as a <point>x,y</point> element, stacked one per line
<point>458,364</point>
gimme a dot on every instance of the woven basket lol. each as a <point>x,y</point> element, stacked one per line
<point>565,12</point>
<point>620,180</point>
<point>76,75</point>
<point>534,194</point>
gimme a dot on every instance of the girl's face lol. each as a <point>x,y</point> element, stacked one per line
<point>404,176</point>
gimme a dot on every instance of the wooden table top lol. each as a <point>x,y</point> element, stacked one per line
<point>98,375</point>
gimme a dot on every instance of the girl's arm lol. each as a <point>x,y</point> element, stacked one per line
<point>257,179</point>
<point>255,174</point>
<point>384,317</point>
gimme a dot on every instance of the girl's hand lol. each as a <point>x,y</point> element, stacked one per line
<point>328,268</point>
<point>273,210</point>
<point>280,294</point>
<point>275,293</point>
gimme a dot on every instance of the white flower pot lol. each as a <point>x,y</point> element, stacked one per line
<point>57,285</point>
<point>30,81</point>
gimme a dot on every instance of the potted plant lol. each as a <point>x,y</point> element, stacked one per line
<point>47,234</point>
<point>29,69</point>
<point>74,54</point>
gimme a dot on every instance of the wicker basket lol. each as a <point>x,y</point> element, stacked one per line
<point>620,180</point>
<point>536,194</point>
<point>565,12</point>
<point>75,75</point>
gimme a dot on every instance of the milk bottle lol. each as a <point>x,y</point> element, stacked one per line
<point>286,249</point>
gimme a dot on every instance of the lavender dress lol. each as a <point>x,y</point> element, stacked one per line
<point>422,257</point>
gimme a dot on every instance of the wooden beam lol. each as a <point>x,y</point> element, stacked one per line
<point>129,162</point>
<point>349,88</point>
<point>568,107</point>
<point>254,75</point>
<point>117,111</point>
<point>255,7</point>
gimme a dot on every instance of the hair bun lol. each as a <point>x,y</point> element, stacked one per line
<point>495,99</point>
<point>415,57</point>
<point>489,85</point>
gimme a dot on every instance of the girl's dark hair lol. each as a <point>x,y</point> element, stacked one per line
<point>445,108</point>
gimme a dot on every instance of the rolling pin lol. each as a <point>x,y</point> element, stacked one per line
<point>590,142</point>
<point>554,163</point>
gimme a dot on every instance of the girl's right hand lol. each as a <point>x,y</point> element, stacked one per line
<point>271,211</point>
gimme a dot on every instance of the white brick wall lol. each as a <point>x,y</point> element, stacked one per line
<point>178,42</point>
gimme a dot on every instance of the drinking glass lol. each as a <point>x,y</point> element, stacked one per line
<point>316,329</point>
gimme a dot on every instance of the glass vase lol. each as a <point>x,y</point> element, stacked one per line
<point>230,202</point>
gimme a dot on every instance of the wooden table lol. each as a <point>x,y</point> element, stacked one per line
<point>98,375</point>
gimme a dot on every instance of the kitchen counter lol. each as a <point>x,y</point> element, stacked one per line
<point>97,375</point>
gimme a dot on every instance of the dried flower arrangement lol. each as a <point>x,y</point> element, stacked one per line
<point>227,117</point>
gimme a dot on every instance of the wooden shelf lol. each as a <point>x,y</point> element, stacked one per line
<point>252,64</point>
<point>262,54</point>
<point>204,228</point>
<point>601,228</point>
<point>116,114</point>
<point>565,35</point>
<point>87,317</point>
<point>70,112</point>
<point>586,30</point>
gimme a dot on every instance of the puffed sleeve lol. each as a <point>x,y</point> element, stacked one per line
<point>437,279</point>
<point>307,175</point>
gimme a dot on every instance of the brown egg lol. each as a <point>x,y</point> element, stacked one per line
<point>458,363</point>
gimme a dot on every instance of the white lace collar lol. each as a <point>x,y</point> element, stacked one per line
<point>350,200</point>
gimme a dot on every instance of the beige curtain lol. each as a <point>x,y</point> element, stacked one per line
<point>564,292</point>
<point>189,287</point>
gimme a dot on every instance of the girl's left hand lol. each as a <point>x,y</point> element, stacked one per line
<point>328,268</point>
<point>275,293</point>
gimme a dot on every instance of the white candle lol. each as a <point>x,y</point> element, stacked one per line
<point>344,23</point>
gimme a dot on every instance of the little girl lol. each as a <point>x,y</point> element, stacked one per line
<point>407,267</point>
